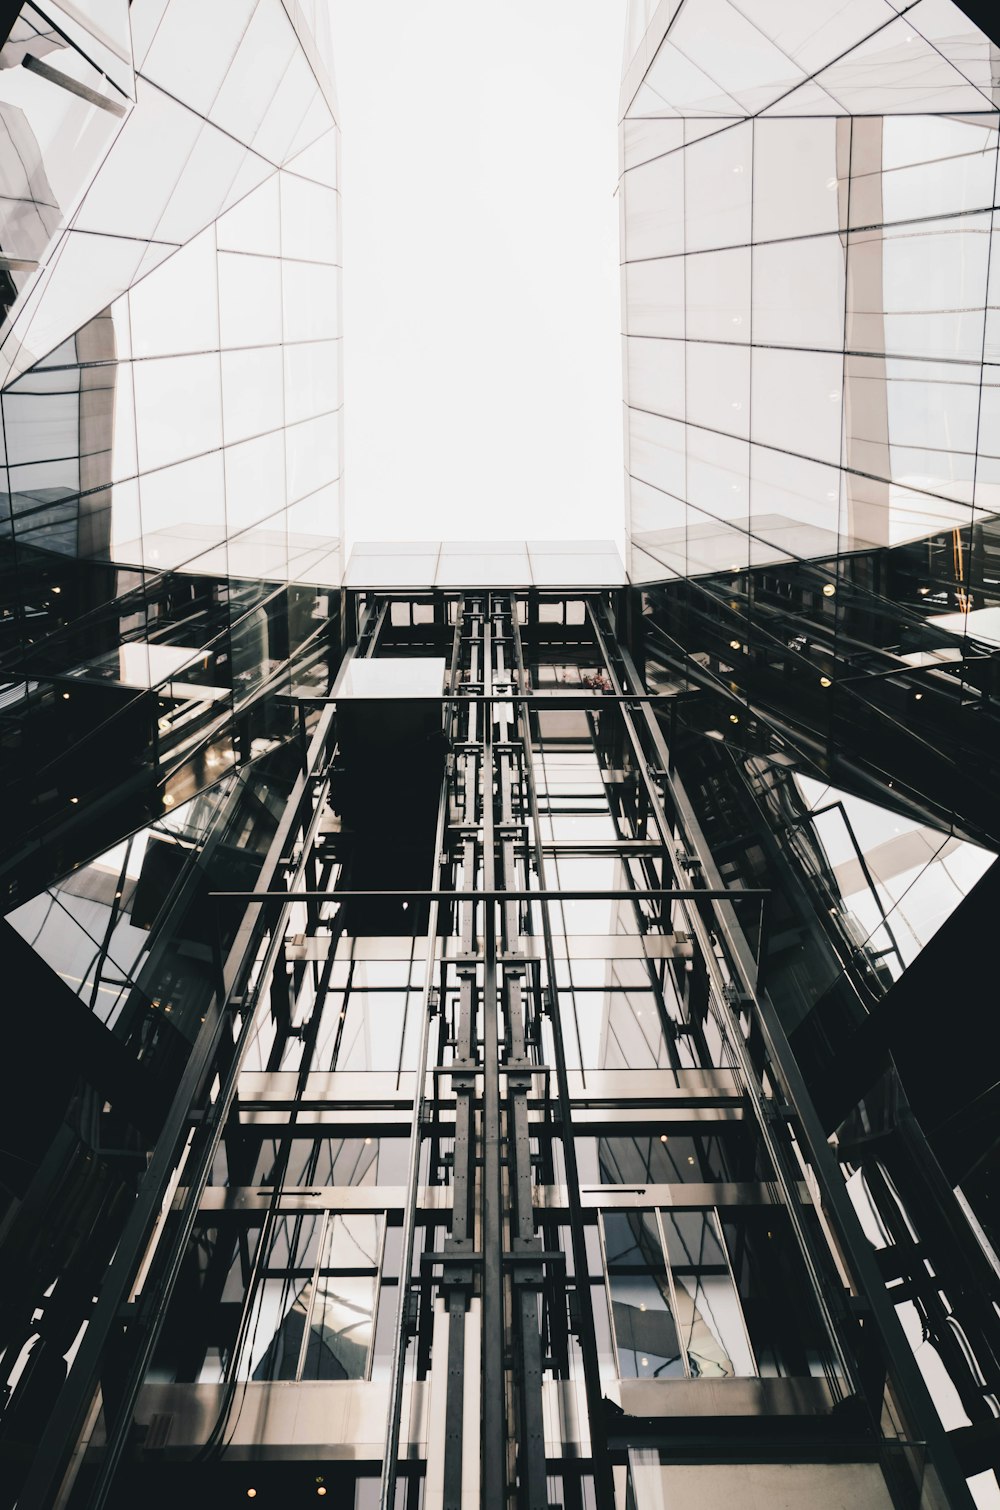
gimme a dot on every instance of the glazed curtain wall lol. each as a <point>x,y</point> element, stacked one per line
<point>807,217</point>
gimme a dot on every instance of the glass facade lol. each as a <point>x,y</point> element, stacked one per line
<point>170,398</point>
<point>487,1029</point>
<point>807,215</point>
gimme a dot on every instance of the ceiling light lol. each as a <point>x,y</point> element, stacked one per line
<point>829,590</point>
<point>825,681</point>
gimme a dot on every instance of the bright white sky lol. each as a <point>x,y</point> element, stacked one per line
<point>482,362</point>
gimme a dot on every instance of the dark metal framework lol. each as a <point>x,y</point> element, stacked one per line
<point>497,1289</point>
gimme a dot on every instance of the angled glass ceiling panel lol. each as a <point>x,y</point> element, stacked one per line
<point>100,30</point>
<point>144,21</point>
<point>289,107</point>
<point>255,73</point>
<point>254,224</point>
<point>813,35</point>
<point>647,139</point>
<point>140,173</point>
<point>731,50</point>
<point>89,273</point>
<point>316,123</point>
<point>683,87</point>
<point>206,183</point>
<point>808,99</point>
<point>193,48</point>
<point>897,71</point>
<point>318,161</point>
<point>951,32</point>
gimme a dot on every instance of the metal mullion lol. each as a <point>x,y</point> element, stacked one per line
<point>736,1290</point>
<point>320,1250</point>
<point>603,1481</point>
<point>390,1462</point>
<point>675,1313</point>
<point>493,1488</point>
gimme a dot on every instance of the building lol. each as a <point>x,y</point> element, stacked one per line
<point>487,1028</point>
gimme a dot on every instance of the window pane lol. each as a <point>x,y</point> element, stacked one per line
<point>709,1318</point>
<point>645,1334</point>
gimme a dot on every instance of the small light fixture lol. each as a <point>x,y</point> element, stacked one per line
<point>644,1362</point>
<point>74,800</point>
<point>663,1137</point>
<point>917,696</point>
<point>368,1142</point>
<point>57,589</point>
<point>734,718</point>
<point>168,801</point>
<point>825,681</point>
<point>923,591</point>
<point>828,590</point>
<point>690,1158</point>
<point>734,644</point>
<point>65,697</point>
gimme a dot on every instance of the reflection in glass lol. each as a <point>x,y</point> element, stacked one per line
<point>707,1308</point>
<point>645,1331</point>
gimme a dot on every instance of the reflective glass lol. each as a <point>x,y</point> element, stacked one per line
<point>798,292</point>
<point>175,309</point>
<point>178,408</point>
<point>645,1330</point>
<point>797,173</point>
<point>708,1314</point>
<point>717,189</point>
<point>797,401</point>
<point>308,220</point>
<point>249,300</point>
<point>255,480</point>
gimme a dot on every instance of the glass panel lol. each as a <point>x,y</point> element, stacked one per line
<point>717,189</point>
<point>709,1317</point>
<point>645,1333</point>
